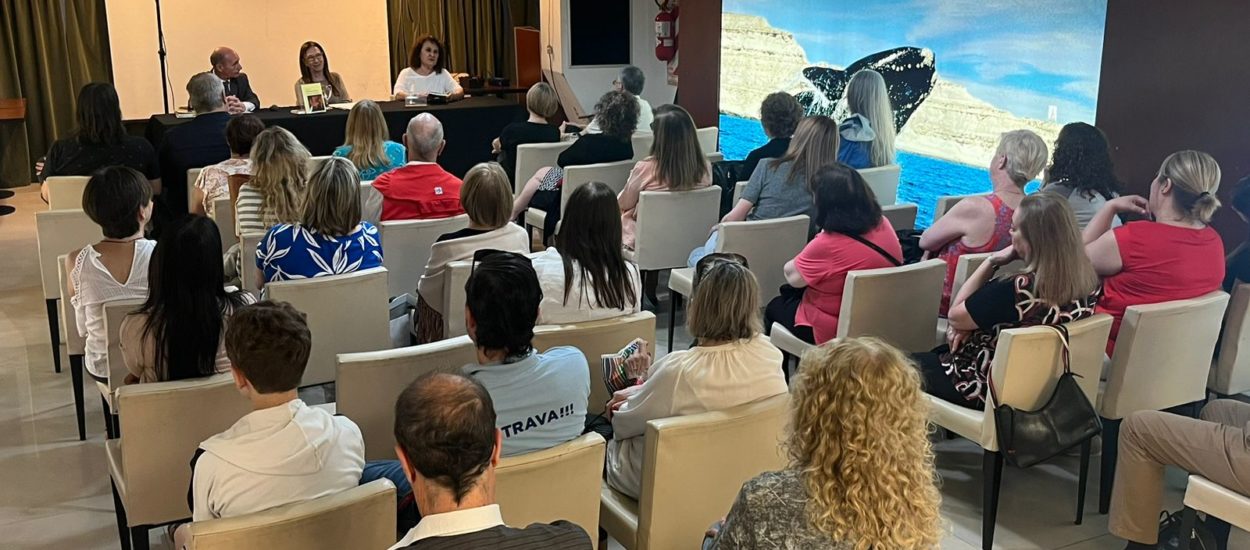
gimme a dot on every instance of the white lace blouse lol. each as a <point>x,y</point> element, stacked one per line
<point>94,286</point>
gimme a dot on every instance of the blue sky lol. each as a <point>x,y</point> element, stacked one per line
<point>1019,55</point>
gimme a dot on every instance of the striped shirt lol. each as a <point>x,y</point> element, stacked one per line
<point>247,211</point>
<point>561,535</point>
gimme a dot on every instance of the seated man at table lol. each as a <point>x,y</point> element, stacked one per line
<point>449,447</point>
<point>421,189</point>
<point>630,81</point>
<point>194,144</point>
<point>239,95</point>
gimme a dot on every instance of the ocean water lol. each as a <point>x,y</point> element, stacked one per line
<point>923,179</point>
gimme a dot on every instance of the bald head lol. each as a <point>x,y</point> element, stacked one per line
<point>424,138</point>
<point>445,428</point>
<point>225,62</point>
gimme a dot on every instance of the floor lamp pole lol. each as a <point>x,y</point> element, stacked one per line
<point>163,55</point>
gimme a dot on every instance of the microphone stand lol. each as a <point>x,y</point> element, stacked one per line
<point>163,55</point>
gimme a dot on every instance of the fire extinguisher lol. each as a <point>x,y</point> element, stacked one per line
<point>665,32</point>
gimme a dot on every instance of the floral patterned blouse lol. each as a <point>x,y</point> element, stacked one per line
<point>771,513</point>
<point>1009,302</point>
<point>291,251</point>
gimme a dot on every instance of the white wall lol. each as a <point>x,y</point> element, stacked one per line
<point>590,83</point>
<point>267,34</point>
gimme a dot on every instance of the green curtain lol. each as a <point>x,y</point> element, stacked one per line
<point>48,50</point>
<point>477,34</point>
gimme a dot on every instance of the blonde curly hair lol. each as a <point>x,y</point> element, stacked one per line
<point>859,440</point>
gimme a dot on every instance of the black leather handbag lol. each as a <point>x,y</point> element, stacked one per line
<point>1066,420</point>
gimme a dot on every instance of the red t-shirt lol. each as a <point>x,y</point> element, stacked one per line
<point>824,263</point>
<point>1161,263</point>
<point>419,192</point>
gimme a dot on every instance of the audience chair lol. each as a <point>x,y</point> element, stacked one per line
<point>965,266</point>
<point>360,517</point>
<point>406,246</point>
<point>1027,364</point>
<point>192,175</point>
<point>902,215</point>
<point>708,139</point>
<point>57,233</point>
<point>1206,496</point>
<point>671,224</point>
<point>883,180</point>
<point>766,244</point>
<point>614,174</point>
<point>247,261</point>
<point>75,347</point>
<point>346,313</point>
<point>1162,360</point>
<point>715,157</point>
<point>1230,374</point>
<point>454,297</point>
<point>896,304</point>
<point>223,216</point>
<point>370,203</point>
<point>739,187</point>
<point>596,339</point>
<point>367,385</point>
<point>65,192</point>
<point>692,471</point>
<point>561,482</point>
<point>114,313</point>
<point>532,156</point>
<point>641,142</point>
<point>165,423</point>
<point>314,163</point>
<point>945,202</point>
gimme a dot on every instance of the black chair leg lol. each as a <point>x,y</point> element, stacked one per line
<point>674,305</point>
<point>1110,451</point>
<point>1082,480</point>
<point>108,420</point>
<point>54,330</point>
<point>992,472</point>
<point>75,373</point>
<point>139,537</point>
<point>1188,518</point>
<point>785,366</point>
<point>650,281</point>
<point>123,532</point>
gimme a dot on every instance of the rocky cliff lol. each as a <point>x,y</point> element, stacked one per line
<point>952,124</point>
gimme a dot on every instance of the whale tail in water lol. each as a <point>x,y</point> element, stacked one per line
<point>908,74</point>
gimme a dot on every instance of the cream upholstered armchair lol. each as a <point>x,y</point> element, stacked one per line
<point>872,304</point>
<point>1204,495</point>
<point>965,266</point>
<point>360,517</point>
<point>75,347</point>
<point>248,242</point>
<point>883,180</point>
<point>1162,360</point>
<point>901,215</point>
<point>945,202</point>
<point>57,233</point>
<point>595,339</point>
<point>368,384</point>
<point>164,423</point>
<point>370,203</point>
<point>65,192</point>
<point>406,246</point>
<point>1230,374</point>
<point>1027,364</point>
<point>557,483</point>
<point>670,224</point>
<point>346,313</point>
<point>766,244</point>
<point>532,156</point>
<point>614,174</point>
<point>223,216</point>
<point>687,483</point>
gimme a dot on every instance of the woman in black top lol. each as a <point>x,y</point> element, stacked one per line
<point>779,115</point>
<point>1238,268</point>
<point>617,113</point>
<point>542,102</point>
<point>100,141</point>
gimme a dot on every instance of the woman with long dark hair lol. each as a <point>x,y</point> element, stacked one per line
<point>177,334</point>
<point>314,68</point>
<point>585,277</point>
<point>1081,171</point>
<point>676,163</point>
<point>99,141</point>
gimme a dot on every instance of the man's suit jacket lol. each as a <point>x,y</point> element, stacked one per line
<point>242,89</point>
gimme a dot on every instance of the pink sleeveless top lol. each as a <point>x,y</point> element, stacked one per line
<point>999,240</point>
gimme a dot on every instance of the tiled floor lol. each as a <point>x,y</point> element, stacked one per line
<point>54,489</point>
